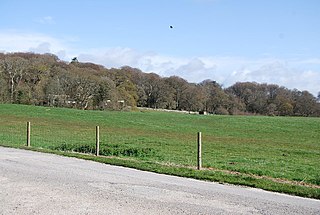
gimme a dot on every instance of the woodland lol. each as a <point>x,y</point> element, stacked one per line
<point>45,80</point>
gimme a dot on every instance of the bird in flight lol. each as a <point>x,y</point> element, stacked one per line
<point>171,26</point>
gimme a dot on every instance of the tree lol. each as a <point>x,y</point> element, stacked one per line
<point>258,98</point>
<point>30,78</point>
<point>157,91</point>
<point>82,87</point>
<point>283,101</point>
<point>57,87</point>
<point>178,87</point>
<point>37,77</point>
<point>4,90</point>
<point>13,69</point>
<point>127,90</point>
<point>215,98</point>
<point>105,96</point>
<point>192,98</point>
<point>305,103</point>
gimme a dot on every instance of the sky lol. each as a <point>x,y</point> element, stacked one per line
<point>229,41</point>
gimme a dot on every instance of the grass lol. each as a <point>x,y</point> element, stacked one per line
<point>274,153</point>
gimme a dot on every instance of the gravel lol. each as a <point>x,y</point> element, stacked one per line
<point>38,183</point>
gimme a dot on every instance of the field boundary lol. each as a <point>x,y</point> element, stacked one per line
<point>236,150</point>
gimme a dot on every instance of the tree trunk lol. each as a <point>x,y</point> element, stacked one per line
<point>11,89</point>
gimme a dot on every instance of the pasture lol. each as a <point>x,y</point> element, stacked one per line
<point>274,153</point>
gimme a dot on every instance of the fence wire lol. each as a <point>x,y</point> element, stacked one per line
<point>77,137</point>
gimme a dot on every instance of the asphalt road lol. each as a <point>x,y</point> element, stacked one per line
<point>37,183</point>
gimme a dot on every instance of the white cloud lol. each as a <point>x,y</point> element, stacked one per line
<point>41,48</point>
<point>13,41</point>
<point>225,70</point>
<point>311,61</point>
<point>194,70</point>
<point>282,74</point>
<point>303,74</point>
<point>112,57</point>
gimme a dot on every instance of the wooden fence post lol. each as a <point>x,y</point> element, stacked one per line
<point>28,133</point>
<point>199,151</point>
<point>97,140</point>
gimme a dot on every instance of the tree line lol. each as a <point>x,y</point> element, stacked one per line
<point>43,79</point>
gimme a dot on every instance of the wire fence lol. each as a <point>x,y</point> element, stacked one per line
<point>13,133</point>
<point>82,138</point>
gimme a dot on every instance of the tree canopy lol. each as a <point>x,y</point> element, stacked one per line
<point>43,79</point>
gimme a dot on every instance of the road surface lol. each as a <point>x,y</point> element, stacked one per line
<point>37,183</point>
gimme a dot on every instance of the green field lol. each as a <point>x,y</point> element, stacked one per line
<point>274,153</point>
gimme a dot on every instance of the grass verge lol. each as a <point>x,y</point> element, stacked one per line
<point>187,172</point>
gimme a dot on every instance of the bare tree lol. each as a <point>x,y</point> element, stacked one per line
<point>14,69</point>
<point>179,87</point>
<point>192,98</point>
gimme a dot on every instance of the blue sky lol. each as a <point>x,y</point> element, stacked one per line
<point>267,41</point>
